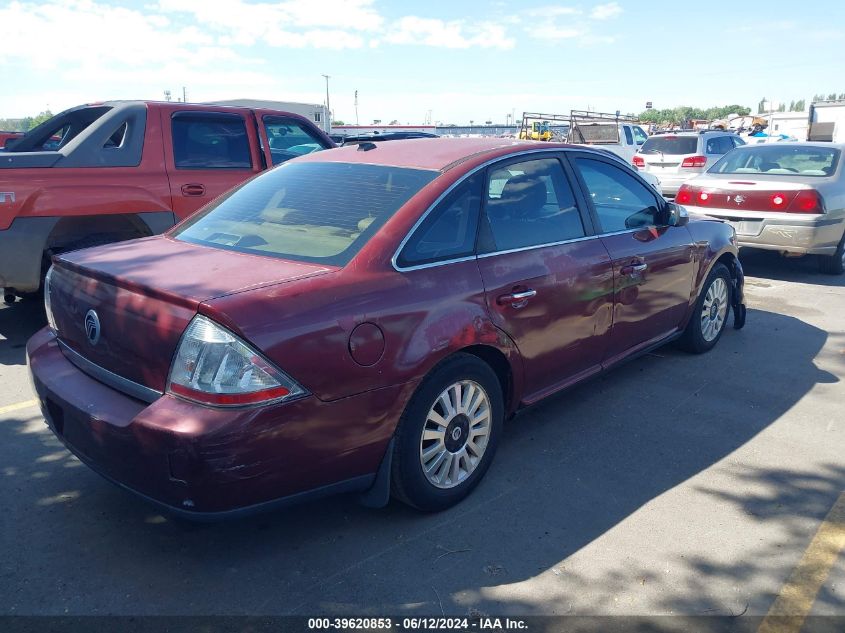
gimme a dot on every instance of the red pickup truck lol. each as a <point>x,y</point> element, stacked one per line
<point>119,170</point>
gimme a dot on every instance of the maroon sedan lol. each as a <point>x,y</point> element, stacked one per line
<point>364,319</point>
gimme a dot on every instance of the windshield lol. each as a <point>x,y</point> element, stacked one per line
<point>313,212</point>
<point>783,160</point>
<point>670,145</point>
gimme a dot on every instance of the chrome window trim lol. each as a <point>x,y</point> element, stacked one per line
<point>124,385</point>
<point>457,183</point>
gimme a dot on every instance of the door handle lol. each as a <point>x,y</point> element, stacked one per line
<point>193,190</point>
<point>634,269</point>
<point>517,299</point>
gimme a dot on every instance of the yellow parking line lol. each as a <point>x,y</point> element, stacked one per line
<point>796,598</point>
<point>18,406</point>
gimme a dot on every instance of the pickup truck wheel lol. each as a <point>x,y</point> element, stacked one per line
<point>834,264</point>
<point>448,434</point>
<point>710,314</point>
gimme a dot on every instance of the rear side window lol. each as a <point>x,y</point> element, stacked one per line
<point>449,230</point>
<point>210,141</point>
<point>313,211</point>
<point>670,145</point>
<point>290,138</point>
<point>621,201</point>
<point>529,204</point>
<point>719,145</point>
<point>640,135</point>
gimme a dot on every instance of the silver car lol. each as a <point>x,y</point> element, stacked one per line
<point>787,197</point>
<point>675,158</point>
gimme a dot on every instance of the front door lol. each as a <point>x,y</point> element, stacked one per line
<point>208,154</point>
<point>548,281</point>
<point>653,264</point>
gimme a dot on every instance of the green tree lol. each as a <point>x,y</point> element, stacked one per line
<point>800,105</point>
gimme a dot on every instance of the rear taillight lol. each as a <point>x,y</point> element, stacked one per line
<point>638,161</point>
<point>215,367</point>
<point>789,201</point>
<point>806,201</point>
<point>694,161</point>
<point>48,303</point>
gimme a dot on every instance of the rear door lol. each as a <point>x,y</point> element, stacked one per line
<point>207,153</point>
<point>653,263</point>
<point>547,277</point>
<point>663,154</point>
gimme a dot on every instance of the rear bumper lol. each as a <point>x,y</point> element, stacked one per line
<point>209,463</point>
<point>670,183</point>
<point>814,235</point>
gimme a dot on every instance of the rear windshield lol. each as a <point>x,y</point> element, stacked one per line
<point>311,212</point>
<point>670,145</point>
<point>782,159</point>
<point>595,133</point>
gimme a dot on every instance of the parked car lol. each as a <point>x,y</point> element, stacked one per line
<point>675,158</point>
<point>7,139</point>
<point>607,131</point>
<point>124,169</point>
<point>787,197</point>
<point>365,319</point>
<point>353,139</point>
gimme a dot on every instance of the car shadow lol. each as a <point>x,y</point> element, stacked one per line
<point>18,322</point>
<point>568,471</point>
<point>772,265</point>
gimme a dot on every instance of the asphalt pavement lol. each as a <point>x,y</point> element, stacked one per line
<point>676,484</point>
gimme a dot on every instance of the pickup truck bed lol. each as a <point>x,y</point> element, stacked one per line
<point>126,169</point>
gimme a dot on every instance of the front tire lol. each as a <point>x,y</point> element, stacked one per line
<point>834,264</point>
<point>448,434</point>
<point>710,314</point>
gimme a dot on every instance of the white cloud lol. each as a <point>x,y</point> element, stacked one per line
<point>605,11</point>
<point>561,23</point>
<point>453,34</point>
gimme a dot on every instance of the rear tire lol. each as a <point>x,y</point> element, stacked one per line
<point>710,315</point>
<point>834,264</point>
<point>447,435</point>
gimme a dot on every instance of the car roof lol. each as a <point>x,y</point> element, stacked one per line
<point>437,154</point>
<point>822,144</point>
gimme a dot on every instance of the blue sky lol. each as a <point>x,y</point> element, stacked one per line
<point>467,60</point>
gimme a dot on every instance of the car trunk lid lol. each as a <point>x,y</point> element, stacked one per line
<point>144,293</point>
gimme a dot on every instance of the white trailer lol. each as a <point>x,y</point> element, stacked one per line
<point>827,121</point>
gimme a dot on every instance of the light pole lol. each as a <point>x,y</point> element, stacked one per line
<point>328,104</point>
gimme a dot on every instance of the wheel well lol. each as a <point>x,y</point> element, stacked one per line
<point>498,362</point>
<point>83,231</point>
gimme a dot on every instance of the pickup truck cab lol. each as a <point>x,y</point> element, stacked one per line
<point>623,139</point>
<point>119,170</point>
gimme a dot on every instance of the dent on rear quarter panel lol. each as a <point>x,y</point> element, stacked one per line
<point>713,239</point>
<point>425,315</point>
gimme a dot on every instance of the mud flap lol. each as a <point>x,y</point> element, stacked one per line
<point>379,493</point>
<point>737,296</point>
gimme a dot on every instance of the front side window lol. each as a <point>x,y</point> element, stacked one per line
<point>780,159</point>
<point>313,212</point>
<point>290,138</point>
<point>639,135</point>
<point>529,204</point>
<point>449,230</point>
<point>621,201</point>
<point>210,141</point>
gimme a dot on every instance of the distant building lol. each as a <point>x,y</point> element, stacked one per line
<point>380,129</point>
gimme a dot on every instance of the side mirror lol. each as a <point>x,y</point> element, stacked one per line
<point>678,215</point>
